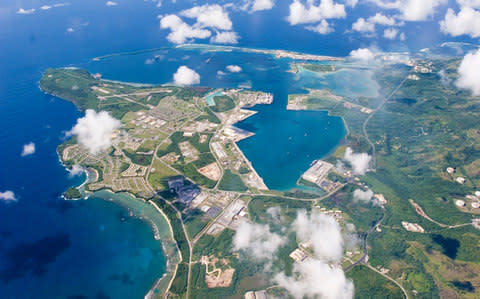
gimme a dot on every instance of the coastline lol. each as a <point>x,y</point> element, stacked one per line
<point>165,238</point>
<point>153,216</point>
<point>277,53</point>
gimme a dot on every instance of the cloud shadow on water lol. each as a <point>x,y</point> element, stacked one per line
<point>33,257</point>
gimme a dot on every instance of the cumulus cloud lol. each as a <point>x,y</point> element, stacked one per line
<point>469,3</point>
<point>323,232</point>
<point>181,31</point>
<point>359,162</point>
<point>362,25</point>
<point>7,196</point>
<point>412,10</point>
<point>22,11</point>
<point>351,3</point>
<point>207,17</point>
<point>45,7</point>
<point>28,149</point>
<point>469,72</point>
<point>367,26</point>
<point>186,76</point>
<point>257,241</point>
<point>320,276</point>
<point>315,279</point>
<point>213,16</point>
<point>94,130</point>
<point>225,37</point>
<point>111,3</point>
<point>390,33</point>
<point>256,5</point>
<point>362,54</point>
<point>275,213</point>
<point>262,5</point>
<point>321,28</point>
<point>310,13</point>
<point>466,22</point>
<point>234,68</point>
<point>364,196</point>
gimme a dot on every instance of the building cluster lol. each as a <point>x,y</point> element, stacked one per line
<point>472,200</point>
<point>318,175</point>
<point>451,171</point>
<point>184,190</point>
<point>251,98</point>
<point>146,120</point>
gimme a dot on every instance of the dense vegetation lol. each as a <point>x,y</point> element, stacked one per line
<point>72,193</point>
<point>369,284</point>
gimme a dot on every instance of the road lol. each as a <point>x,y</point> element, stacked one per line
<point>365,242</point>
<point>362,260</point>
<point>364,127</point>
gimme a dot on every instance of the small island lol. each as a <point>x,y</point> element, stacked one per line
<point>72,193</point>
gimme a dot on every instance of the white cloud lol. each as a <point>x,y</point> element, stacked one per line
<point>469,3</point>
<point>186,76</point>
<point>28,149</point>
<point>275,214</point>
<point>320,276</point>
<point>351,3</point>
<point>45,7</point>
<point>221,73</point>
<point>362,54</point>
<point>94,130</point>
<point>359,162</point>
<point>111,3</point>
<point>390,33</point>
<point>70,30</point>
<point>22,11</point>
<point>323,232</point>
<point>259,5</point>
<point>467,22</point>
<point>381,19</point>
<point>321,28</point>
<point>257,240</point>
<point>7,196</point>
<point>368,25</point>
<point>365,196</point>
<point>225,37</point>
<point>412,10</point>
<point>213,16</point>
<point>316,279</point>
<point>76,170</point>
<point>234,68</point>
<point>181,31</point>
<point>444,79</point>
<point>310,13</point>
<point>469,72</point>
<point>207,18</point>
<point>362,25</point>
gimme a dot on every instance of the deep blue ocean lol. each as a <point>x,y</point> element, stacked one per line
<point>51,248</point>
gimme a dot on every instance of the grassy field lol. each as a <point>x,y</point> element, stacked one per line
<point>369,284</point>
<point>232,182</point>
<point>159,175</point>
